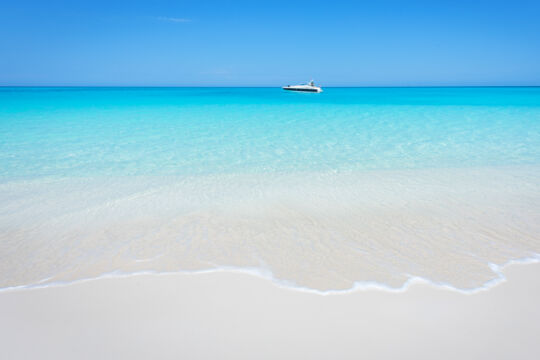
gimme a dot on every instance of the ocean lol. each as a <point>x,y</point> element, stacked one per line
<point>347,189</point>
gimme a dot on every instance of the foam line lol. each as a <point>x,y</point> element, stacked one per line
<point>266,274</point>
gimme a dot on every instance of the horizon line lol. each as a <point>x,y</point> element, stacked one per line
<point>265,86</point>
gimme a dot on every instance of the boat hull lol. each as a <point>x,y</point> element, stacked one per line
<point>302,89</point>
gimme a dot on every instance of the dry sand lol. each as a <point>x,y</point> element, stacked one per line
<point>238,316</point>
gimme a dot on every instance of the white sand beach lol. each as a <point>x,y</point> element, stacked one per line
<point>163,197</point>
<point>237,316</point>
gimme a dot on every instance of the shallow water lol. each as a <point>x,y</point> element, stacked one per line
<point>321,191</point>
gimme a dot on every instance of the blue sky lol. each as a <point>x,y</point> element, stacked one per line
<point>269,43</point>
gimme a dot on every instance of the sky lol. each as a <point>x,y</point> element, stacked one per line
<point>269,43</point>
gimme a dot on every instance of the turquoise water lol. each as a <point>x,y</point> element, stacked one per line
<point>350,188</point>
<point>183,131</point>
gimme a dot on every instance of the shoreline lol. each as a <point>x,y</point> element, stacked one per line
<point>266,275</point>
<point>225,315</point>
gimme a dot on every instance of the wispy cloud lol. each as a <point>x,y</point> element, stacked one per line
<point>173,19</point>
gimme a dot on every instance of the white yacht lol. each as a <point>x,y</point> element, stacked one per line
<point>309,87</point>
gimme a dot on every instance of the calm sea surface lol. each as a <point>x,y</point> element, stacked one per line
<point>172,131</point>
<point>350,188</point>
